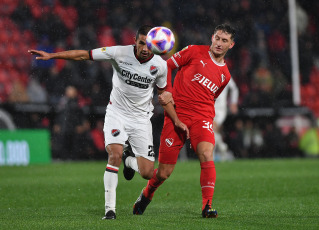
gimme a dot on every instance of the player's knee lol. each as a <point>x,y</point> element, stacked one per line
<point>147,175</point>
<point>206,155</point>
<point>115,157</point>
<point>163,174</point>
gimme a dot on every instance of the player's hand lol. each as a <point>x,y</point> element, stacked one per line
<point>183,127</point>
<point>165,98</point>
<point>41,54</point>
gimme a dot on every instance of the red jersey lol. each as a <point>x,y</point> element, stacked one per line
<point>198,82</point>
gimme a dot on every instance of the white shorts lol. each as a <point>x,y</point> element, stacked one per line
<point>119,128</point>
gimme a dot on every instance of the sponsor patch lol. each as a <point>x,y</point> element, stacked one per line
<point>115,132</point>
<point>169,142</point>
<point>153,70</point>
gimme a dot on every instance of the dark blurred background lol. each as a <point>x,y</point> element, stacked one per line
<point>69,98</point>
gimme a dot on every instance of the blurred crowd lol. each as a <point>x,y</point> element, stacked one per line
<point>259,62</point>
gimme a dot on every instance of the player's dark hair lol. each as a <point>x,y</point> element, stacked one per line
<point>143,30</point>
<point>227,29</point>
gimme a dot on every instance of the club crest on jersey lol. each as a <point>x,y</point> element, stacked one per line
<point>153,70</point>
<point>103,49</point>
<point>223,77</point>
<point>169,142</point>
<point>115,132</point>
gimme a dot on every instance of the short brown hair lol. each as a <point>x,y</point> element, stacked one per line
<point>227,29</point>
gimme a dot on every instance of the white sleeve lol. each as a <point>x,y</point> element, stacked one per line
<point>234,92</point>
<point>103,53</point>
<point>161,80</point>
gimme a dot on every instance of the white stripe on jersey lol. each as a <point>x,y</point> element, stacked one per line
<point>173,59</point>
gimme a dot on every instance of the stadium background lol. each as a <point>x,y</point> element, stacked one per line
<point>35,94</point>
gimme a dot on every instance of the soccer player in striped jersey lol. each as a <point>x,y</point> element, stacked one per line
<point>136,72</point>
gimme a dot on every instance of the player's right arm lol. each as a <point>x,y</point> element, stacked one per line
<point>178,60</point>
<point>76,55</point>
<point>170,110</point>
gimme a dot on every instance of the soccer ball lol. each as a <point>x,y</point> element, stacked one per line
<point>160,40</point>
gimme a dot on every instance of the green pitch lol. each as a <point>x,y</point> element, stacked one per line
<point>249,194</point>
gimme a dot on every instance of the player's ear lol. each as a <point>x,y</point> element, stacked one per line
<point>232,44</point>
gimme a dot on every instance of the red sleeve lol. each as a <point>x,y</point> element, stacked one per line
<point>90,54</point>
<point>176,61</point>
<point>169,79</point>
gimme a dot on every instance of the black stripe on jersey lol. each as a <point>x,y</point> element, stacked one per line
<point>161,88</point>
<point>111,170</point>
<point>90,54</point>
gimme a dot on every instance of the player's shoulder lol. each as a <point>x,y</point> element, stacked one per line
<point>125,48</point>
<point>227,72</point>
<point>197,47</point>
<point>193,49</point>
<point>116,50</point>
<point>158,59</point>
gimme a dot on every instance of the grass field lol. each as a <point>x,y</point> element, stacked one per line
<point>249,194</point>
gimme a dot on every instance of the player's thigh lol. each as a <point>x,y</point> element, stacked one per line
<point>140,137</point>
<point>114,128</point>
<point>172,140</point>
<point>202,131</point>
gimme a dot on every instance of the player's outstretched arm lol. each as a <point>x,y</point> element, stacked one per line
<point>76,55</point>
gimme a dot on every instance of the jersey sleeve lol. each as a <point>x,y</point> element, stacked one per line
<point>176,61</point>
<point>161,80</point>
<point>169,86</point>
<point>180,58</point>
<point>103,53</point>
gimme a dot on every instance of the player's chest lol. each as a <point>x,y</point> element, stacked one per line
<point>206,73</point>
<point>136,74</point>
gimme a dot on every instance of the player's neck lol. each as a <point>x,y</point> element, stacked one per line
<point>217,58</point>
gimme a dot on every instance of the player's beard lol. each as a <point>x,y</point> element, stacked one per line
<point>216,55</point>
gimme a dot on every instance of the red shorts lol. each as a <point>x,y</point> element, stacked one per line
<point>173,139</point>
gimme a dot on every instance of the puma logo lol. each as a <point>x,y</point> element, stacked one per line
<point>201,61</point>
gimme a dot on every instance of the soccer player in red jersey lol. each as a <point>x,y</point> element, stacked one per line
<point>202,75</point>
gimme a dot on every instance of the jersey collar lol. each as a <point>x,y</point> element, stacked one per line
<point>217,63</point>
<point>142,61</point>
